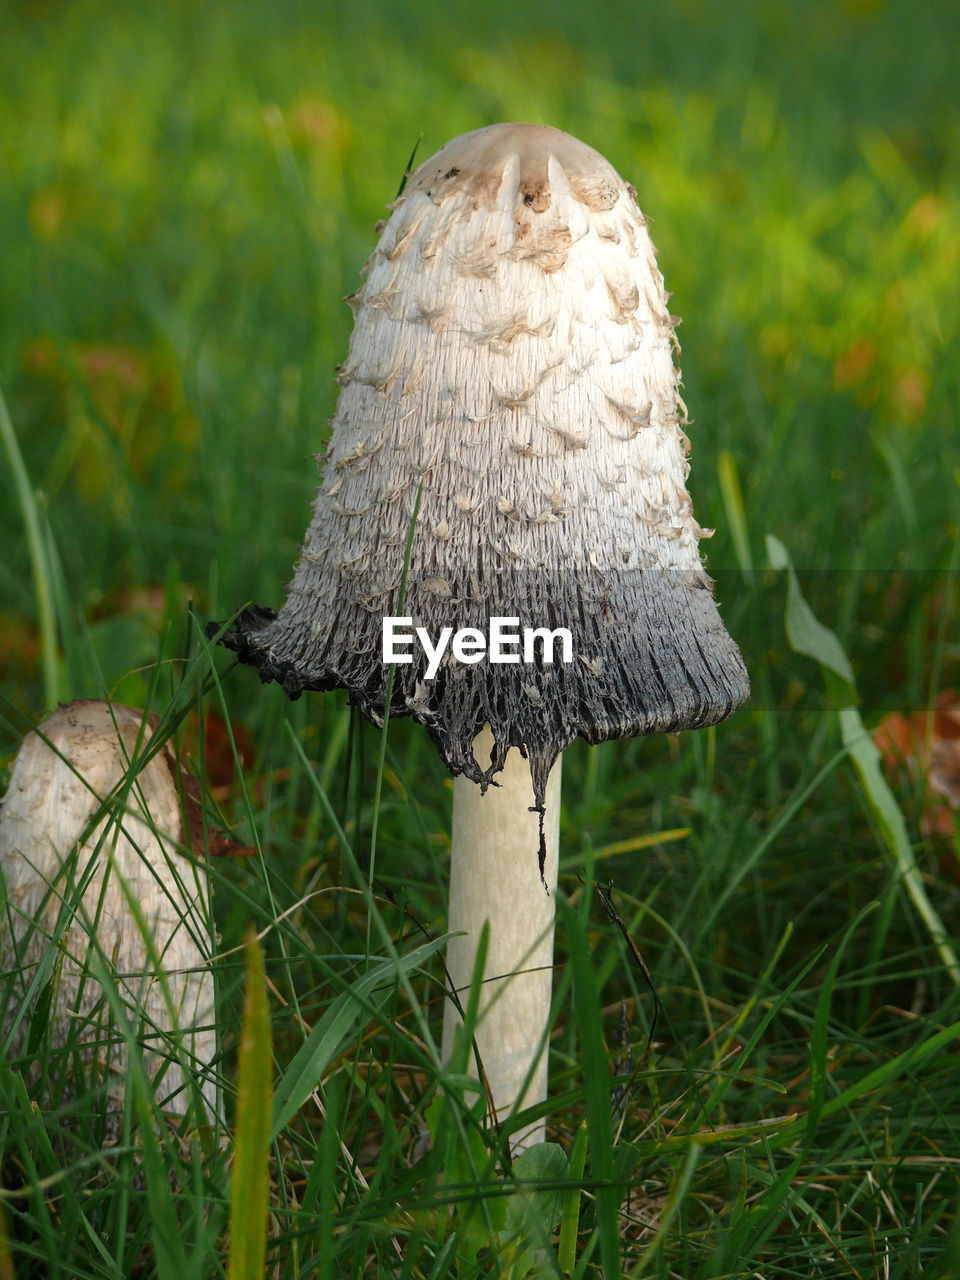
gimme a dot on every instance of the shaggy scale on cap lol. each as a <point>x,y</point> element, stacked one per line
<point>511,365</point>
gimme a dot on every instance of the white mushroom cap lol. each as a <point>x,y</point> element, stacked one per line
<point>62,850</point>
<point>511,363</point>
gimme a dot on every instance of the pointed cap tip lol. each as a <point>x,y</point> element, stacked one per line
<point>476,162</point>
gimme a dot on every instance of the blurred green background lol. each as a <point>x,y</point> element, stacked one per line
<point>189,190</point>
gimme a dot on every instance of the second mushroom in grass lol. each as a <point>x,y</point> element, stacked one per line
<point>92,838</point>
<point>509,426</point>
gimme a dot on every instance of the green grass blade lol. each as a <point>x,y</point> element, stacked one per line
<point>883,1077</point>
<point>326,1039</point>
<point>570,1210</point>
<point>170,1255</point>
<point>327,1165</point>
<point>670,1209</point>
<point>806,632</point>
<point>889,1073</point>
<point>889,819</point>
<point>250,1182</point>
<point>596,1085</point>
<point>733,508</point>
<point>819,1034</point>
<point>807,635</point>
<point>165,1233</point>
<point>39,564</point>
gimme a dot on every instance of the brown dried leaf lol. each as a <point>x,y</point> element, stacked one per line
<point>926,744</point>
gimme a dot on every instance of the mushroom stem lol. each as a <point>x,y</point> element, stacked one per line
<point>494,877</point>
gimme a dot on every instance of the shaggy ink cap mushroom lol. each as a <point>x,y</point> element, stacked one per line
<point>80,840</point>
<point>511,368</point>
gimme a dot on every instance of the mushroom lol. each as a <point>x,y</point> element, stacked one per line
<point>89,839</point>
<point>507,460</point>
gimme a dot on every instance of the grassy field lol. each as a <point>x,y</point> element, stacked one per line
<point>187,192</point>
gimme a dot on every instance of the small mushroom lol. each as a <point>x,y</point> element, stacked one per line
<point>89,854</point>
<point>511,381</point>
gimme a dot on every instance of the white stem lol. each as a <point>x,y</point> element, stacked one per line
<point>495,876</point>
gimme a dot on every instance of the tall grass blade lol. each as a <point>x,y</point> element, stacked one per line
<point>733,507</point>
<point>889,1073</point>
<point>570,1210</point>
<point>327,1038</point>
<point>327,1165</point>
<point>250,1183</point>
<point>596,1085</point>
<point>670,1209</point>
<point>169,1253</point>
<point>807,635</point>
<point>806,632</point>
<point>889,819</point>
<point>39,564</point>
<point>819,1034</point>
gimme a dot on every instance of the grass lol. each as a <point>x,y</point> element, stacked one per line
<point>188,193</point>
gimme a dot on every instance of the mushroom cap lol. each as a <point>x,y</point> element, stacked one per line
<point>511,381</point>
<point>66,847</point>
